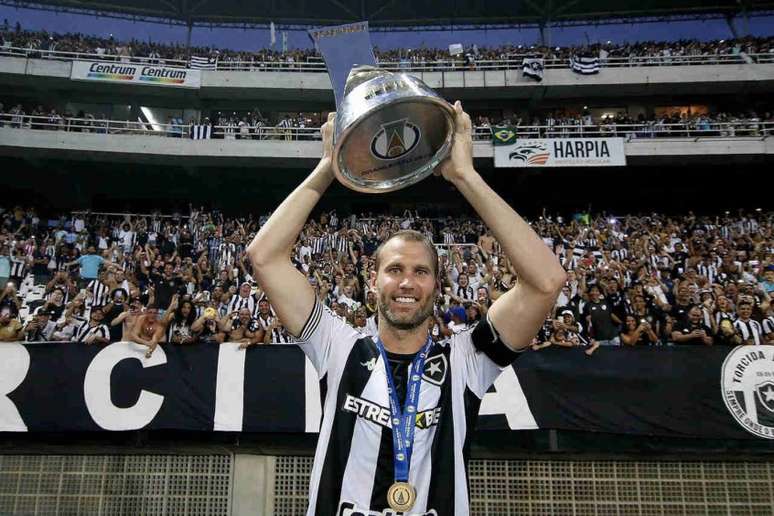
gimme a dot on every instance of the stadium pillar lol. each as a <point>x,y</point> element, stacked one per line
<point>189,24</point>
<point>545,33</point>
<point>252,487</point>
<point>731,22</point>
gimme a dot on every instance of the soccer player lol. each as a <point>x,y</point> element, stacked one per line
<point>399,408</point>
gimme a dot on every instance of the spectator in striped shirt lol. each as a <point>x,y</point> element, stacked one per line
<point>19,264</point>
<point>749,329</point>
<point>276,333</point>
<point>768,326</point>
<point>179,321</point>
<point>93,331</point>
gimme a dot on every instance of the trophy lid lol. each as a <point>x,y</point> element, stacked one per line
<point>360,74</point>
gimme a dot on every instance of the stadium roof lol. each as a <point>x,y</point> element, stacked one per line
<point>386,13</point>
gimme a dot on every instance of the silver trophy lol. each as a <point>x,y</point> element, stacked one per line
<point>391,131</point>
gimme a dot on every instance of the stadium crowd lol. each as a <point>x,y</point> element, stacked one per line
<point>41,42</point>
<point>255,125</point>
<point>632,281</point>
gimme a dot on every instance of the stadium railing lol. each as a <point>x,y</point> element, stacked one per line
<point>62,55</point>
<point>693,129</point>
<point>651,129</point>
<point>315,64</point>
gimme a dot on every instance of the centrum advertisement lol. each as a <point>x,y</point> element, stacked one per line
<point>135,73</point>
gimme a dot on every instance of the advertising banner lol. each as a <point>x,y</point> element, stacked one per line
<point>558,152</point>
<point>135,73</point>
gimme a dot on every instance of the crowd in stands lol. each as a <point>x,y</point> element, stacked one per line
<point>255,125</point>
<point>41,42</point>
<point>184,279</point>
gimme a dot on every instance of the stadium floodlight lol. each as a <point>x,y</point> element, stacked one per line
<point>612,220</point>
<point>151,119</point>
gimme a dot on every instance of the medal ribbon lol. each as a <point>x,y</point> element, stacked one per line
<point>404,421</point>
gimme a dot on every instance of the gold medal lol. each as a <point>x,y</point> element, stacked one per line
<point>401,496</point>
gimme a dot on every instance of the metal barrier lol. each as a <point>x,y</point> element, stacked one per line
<point>61,55</point>
<point>315,64</point>
<point>751,127</point>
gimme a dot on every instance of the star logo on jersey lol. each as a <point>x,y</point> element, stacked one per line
<point>435,369</point>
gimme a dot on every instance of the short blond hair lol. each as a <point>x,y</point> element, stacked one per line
<point>410,235</point>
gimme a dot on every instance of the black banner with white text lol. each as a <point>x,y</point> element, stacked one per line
<point>719,393</point>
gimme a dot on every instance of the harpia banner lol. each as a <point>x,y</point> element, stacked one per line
<point>560,152</point>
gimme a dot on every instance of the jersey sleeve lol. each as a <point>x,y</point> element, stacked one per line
<point>484,355</point>
<point>326,339</point>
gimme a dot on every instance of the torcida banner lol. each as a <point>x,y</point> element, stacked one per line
<point>717,392</point>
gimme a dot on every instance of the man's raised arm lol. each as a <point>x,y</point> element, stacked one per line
<point>519,313</point>
<point>269,252</point>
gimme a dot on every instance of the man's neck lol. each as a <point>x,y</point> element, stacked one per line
<point>403,342</point>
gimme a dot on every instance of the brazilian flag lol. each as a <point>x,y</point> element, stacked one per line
<point>503,135</point>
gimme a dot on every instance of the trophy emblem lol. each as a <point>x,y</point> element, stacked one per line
<point>391,129</point>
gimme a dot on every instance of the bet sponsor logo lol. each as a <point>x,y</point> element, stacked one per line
<point>347,508</point>
<point>381,416</point>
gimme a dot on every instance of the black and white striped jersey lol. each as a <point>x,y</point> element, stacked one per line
<point>226,255</point>
<point>709,271</point>
<point>280,336</point>
<point>464,292</point>
<point>768,325</point>
<point>238,302</point>
<point>84,330</point>
<point>18,266</point>
<point>99,291</point>
<point>749,329</point>
<point>353,466</point>
<point>264,322</point>
<point>720,315</point>
<point>317,244</point>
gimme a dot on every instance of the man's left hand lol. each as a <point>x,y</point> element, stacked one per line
<point>459,164</point>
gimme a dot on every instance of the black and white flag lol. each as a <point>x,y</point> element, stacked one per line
<point>201,132</point>
<point>203,63</point>
<point>585,65</point>
<point>532,67</point>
